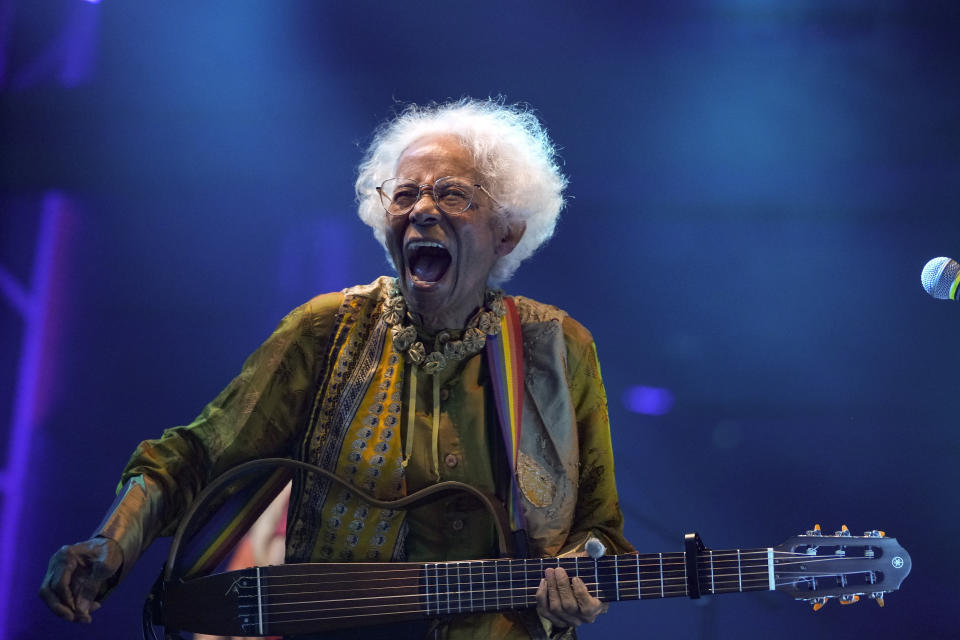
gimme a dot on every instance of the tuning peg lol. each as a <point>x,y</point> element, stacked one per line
<point>815,531</point>
<point>878,597</point>
<point>844,531</point>
<point>849,599</point>
<point>874,534</point>
<point>819,603</point>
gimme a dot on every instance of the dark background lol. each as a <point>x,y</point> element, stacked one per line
<point>755,187</point>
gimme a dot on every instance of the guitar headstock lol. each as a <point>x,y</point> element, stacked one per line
<point>816,567</point>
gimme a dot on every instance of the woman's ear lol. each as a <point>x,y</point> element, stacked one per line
<point>509,237</point>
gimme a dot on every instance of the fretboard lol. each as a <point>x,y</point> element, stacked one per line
<point>298,598</point>
<point>500,585</point>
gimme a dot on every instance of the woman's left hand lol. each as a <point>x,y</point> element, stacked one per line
<point>566,602</point>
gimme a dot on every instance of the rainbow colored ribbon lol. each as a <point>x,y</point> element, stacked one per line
<point>505,359</point>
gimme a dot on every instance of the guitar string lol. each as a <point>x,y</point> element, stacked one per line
<point>515,567</point>
<point>350,569</point>
<point>481,586</point>
<point>471,605</point>
<point>481,579</point>
<point>468,578</point>
<point>506,600</point>
<point>526,602</point>
<point>416,609</point>
<point>627,588</point>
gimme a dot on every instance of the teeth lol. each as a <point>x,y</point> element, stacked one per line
<point>419,244</point>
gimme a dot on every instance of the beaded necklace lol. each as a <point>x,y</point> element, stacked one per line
<point>447,346</point>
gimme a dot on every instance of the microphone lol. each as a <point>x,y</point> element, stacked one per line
<point>940,278</point>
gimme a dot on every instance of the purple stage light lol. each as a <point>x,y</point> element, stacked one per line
<point>34,304</point>
<point>650,401</point>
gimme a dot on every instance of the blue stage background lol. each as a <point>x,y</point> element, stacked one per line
<point>754,189</point>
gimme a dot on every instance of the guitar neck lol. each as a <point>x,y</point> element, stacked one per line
<point>302,598</point>
<point>498,585</point>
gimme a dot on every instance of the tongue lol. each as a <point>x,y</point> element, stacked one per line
<point>430,267</point>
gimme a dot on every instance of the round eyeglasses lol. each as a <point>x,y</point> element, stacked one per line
<point>452,195</point>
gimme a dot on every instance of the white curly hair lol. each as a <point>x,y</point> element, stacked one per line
<point>516,159</point>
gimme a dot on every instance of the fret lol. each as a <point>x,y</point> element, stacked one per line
<point>650,577</point>
<point>483,585</point>
<point>437,576</point>
<point>636,577</point>
<point>661,575</point>
<point>490,585</point>
<point>713,585</point>
<point>541,567</point>
<point>739,571</point>
<point>470,584</point>
<point>496,584</point>
<point>426,587</point>
<point>526,581</point>
<point>616,575</point>
<point>436,586</point>
<point>446,572</point>
<point>510,569</point>
<point>686,589</point>
<point>636,558</point>
<point>259,603</point>
<point>528,575</point>
<point>532,581</point>
<point>596,580</point>
<point>505,603</point>
<point>536,574</point>
<point>472,598</point>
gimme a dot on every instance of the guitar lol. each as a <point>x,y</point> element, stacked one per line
<point>311,598</point>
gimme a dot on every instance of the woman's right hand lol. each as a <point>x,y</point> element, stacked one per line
<point>78,574</point>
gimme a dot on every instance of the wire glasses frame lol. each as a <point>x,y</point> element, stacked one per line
<point>451,194</point>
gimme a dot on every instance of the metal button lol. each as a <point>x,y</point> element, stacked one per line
<point>456,525</point>
<point>444,394</point>
<point>451,460</point>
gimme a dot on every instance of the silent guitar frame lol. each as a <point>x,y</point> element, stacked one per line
<point>315,597</point>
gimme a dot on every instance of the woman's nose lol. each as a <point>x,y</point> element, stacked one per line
<point>425,211</point>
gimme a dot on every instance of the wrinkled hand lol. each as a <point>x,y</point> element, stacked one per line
<point>566,602</point>
<point>76,574</point>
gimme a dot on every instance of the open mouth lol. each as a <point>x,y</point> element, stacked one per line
<point>427,261</point>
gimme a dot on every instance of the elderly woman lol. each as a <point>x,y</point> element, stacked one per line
<point>395,386</point>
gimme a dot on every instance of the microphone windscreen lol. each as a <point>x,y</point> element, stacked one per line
<point>595,548</point>
<point>939,276</point>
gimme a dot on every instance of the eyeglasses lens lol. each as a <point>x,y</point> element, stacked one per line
<point>400,195</point>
